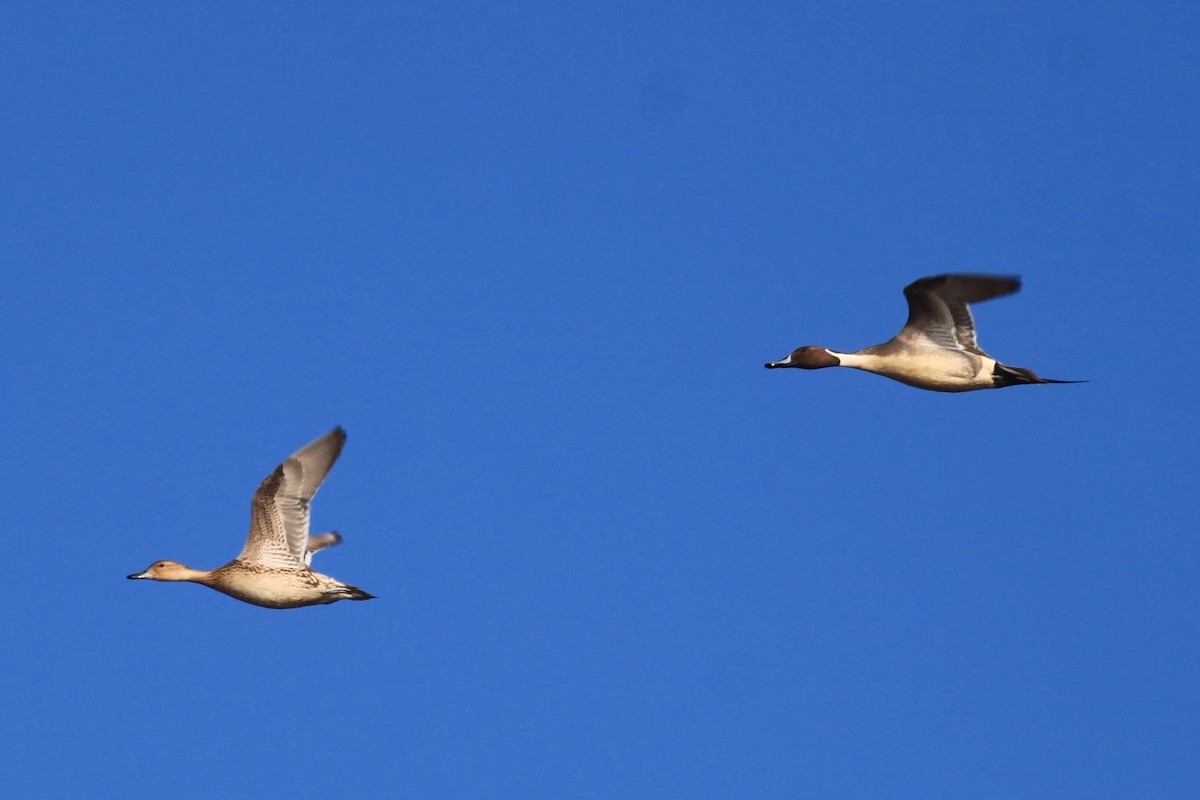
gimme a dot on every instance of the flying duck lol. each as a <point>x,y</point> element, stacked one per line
<point>936,348</point>
<point>272,570</point>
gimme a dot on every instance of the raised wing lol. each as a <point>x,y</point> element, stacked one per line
<point>938,311</point>
<point>280,510</point>
<point>318,542</point>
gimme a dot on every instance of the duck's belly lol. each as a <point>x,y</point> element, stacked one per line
<point>936,370</point>
<point>269,589</point>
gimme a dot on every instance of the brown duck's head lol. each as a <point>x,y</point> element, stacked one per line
<point>807,357</point>
<point>164,571</point>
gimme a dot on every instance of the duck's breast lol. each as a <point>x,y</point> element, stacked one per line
<point>927,368</point>
<point>269,588</point>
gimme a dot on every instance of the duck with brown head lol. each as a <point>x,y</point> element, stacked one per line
<point>936,349</point>
<point>272,570</point>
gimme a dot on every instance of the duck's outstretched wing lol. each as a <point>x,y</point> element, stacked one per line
<point>280,509</point>
<point>939,313</point>
<point>319,541</point>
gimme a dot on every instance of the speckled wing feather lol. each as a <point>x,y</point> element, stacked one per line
<point>938,311</point>
<point>279,512</point>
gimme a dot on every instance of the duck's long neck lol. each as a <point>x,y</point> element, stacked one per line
<point>185,573</point>
<point>859,360</point>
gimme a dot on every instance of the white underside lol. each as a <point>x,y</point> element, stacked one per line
<point>936,369</point>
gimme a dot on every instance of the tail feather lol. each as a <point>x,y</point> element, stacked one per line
<point>1004,375</point>
<point>354,593</point>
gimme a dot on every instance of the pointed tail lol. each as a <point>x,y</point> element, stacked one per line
<point>1004,375</point>
<point>354,593</point>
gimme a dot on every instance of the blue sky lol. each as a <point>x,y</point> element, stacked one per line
<point>533,258</point>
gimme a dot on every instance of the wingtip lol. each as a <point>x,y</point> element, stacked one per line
<point>319,541</point>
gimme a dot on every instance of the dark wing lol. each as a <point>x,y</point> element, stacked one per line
<point>938,311</point>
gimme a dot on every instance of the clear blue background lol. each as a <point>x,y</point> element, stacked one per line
<point>533,258</point>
